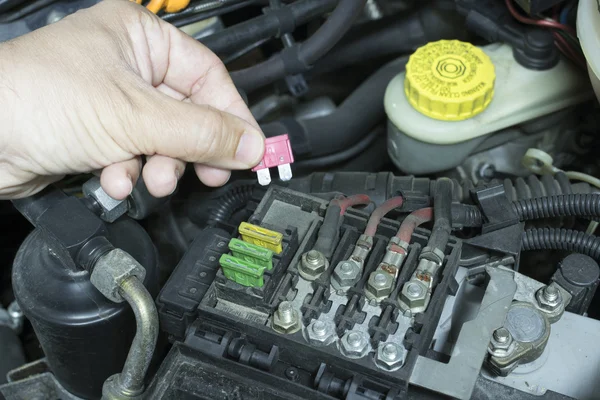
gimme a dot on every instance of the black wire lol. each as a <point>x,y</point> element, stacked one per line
<point>24,11</point>
<point>336,158</point>
<point>190,18</point>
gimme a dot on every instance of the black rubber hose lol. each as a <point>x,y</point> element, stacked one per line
<point>298,59</point>
<point>398,34</point>
<point>355,117</point>
<point>274,23</point>
<point>566,205</point>
<point>229,203</point>
<point>6,5</point>
<point>561,239</point>
<point>442,215</point>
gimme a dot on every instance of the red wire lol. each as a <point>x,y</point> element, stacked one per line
<point>567,50</point>
<point>347,202</point>
<point>538,22</point>
<point>380,212</point>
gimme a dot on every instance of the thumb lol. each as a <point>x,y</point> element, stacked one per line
<point>198,134</point>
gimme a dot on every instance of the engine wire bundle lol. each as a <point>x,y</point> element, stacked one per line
<point>565,37</point>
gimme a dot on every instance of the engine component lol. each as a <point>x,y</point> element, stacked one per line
<point>579,275</point>
<point>70,317</point>
<point>303,317</point>
<point>419,144</point>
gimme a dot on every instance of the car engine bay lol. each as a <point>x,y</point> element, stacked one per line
<point>430,232</point>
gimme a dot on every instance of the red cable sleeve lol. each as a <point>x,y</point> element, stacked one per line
<point>380,212</point>
<point>416,218</point>
<point>356,200</point>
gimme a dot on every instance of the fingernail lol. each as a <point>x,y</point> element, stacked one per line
<point>250,149</point>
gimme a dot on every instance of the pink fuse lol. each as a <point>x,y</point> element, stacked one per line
<point>278,153</point>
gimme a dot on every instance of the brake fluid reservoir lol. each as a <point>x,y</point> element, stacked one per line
<point>452,95</point>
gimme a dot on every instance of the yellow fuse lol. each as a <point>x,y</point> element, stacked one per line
<point>261,237</point>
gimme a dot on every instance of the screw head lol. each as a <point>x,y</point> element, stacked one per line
<point>346,267</point>
<point>414,290</point>
<point>390,356</point>
<point>354,339</point>
<point>379,278</point>
<point>319,328</point>
<point>389,352</point>
<point>501,335</point>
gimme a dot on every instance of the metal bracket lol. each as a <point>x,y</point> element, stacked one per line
<point>457,378</point>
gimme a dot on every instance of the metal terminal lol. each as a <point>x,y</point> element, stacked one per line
<point>321,333</point>
<point>427,270</point>
<point>286,319</point>
<point>414,296</point>
<point>111,270</point>
<point>345,275</point>
<point>432,254</point>
<point>12,317</point>
<point>379,286</point>
<point>312,265</point>
<point>390,356</point>
<point>522,339</point>
<point>354,344</point>
<point>111,209</point>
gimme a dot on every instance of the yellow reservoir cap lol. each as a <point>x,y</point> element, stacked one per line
<point>449,80</point>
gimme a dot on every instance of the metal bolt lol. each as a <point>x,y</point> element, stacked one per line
<point>355,340</point>
<point>319,328</point>
<point>286,320</point>
<point>346,267</point>
<point>286,312</point>
<point>550,293</point>
<point>14,311</point>
<point>389,352</point>
<point>414,290</point>
<point>313,256</point>
<point>501,335</point>
<point>380,279</point>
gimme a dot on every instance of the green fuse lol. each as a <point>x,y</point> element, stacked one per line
<point>252,253</point>
<point>243,272</point>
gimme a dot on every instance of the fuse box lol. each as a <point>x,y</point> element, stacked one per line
<point>294,337</point>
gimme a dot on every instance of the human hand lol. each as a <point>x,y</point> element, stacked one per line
<point>108,85</point>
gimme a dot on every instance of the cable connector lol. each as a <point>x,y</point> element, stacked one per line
<point>278,153</point>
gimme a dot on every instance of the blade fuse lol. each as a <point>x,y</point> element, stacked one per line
<point>278,153</point>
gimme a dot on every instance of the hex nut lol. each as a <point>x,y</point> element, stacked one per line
<point>112,269</point>
<point>413,295</point>
<point>390,356</point>
<point>380,284</point>
<point>312,265</point>
<point>354,344</point>
<point>286,322</point>
<point>345,274</point>
<point>111,209</point>
<point>501,344</point>
<point>546,304</point>
<point>321,333</point>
